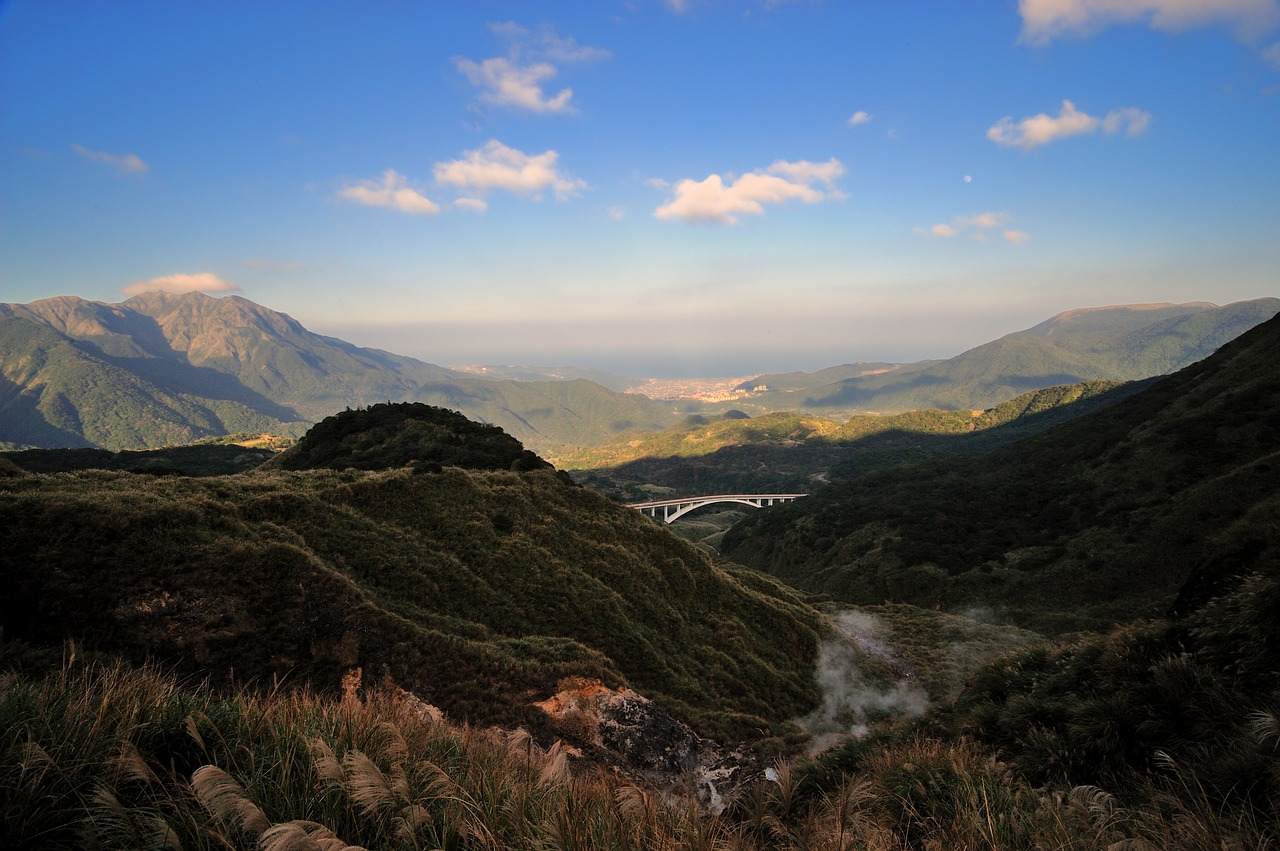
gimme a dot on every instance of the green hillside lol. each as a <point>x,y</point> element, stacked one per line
<point>59,392</point>
<point>1122,343</point>
<point>1099,521</point>
<point>161,369</point>
<point>477,590</point>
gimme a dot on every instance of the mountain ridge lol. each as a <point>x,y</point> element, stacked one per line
<point>161,368</point>
<point>1111,343</point>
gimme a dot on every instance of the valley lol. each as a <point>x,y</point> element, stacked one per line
<point>970,611</point>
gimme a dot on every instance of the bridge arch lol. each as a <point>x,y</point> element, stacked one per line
<point>670,510</point>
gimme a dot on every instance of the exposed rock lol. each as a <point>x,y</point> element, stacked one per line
<point>629,727</point>
<point>639,737</point>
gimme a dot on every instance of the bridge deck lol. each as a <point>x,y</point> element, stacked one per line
<point>673,509</point>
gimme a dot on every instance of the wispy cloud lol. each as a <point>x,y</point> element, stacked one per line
<point>976,227</point>
<point>723,199</point>
<point>201,282</point>
<point>1045,20</point>
<point>273,265</point>
<point>1044,128</point>
<point>496,166</point>
<point>1272,55</point>
<point>517,79</point>
<point>475,205</point>
<point>126,163</point>
<point>859,117</point>
<point>544,43</point>
<point>392,192</point>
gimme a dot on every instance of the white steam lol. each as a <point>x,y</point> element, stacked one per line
<point>848,700</point>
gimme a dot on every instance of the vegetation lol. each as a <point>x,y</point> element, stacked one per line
<point>303,616</point>
<point>163,369</point>
<point>476,590</point>
<point>107,756</point>
<point>794,453</point>
<point>202,459</point>
<point>388,436</point>
<point>1094,523</point>
<point>1124,343</point>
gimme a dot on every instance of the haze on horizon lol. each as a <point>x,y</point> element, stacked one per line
<point>650,187</point>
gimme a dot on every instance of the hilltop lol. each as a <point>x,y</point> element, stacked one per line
<point>389,436</point>
<point>1096,522</point>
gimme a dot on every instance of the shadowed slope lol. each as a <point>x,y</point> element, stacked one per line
<point>1092,523</point>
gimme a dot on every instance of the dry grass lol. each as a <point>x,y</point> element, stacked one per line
<point>114,757</point>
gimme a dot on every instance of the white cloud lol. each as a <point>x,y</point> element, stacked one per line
<point>477,205</point>
<point>711,200</point>
<point>509,84</point>
<point>516,80</point>
<point>127,163</point>
<point>393,192</point>
<point>495,166</point>
<point>1044,128</point>
<point>202,282</point>
<point>859,117</point>
<point>1045,20</point>
<point>976,227</point>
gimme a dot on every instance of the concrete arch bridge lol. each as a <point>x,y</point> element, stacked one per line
<point>670,510</point>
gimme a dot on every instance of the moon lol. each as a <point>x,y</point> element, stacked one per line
<point>968,178</point>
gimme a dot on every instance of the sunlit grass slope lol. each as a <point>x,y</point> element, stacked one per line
<point>788,452</point>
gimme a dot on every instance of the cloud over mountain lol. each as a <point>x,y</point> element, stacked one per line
<point>201,282</point>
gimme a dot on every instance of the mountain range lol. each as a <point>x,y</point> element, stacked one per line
<point>1119,343</point>
<point>163,369</point>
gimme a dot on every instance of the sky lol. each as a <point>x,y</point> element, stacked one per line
<point>649,187</point>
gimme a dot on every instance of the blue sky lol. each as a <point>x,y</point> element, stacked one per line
<point>651,187</point>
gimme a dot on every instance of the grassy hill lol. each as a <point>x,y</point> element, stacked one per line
<point>1122,343</point>
<point>161,369</point>
<point>478,590</point>
<point>1096,522</point>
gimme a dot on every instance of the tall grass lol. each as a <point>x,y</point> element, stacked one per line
<point>106,756</point>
